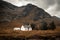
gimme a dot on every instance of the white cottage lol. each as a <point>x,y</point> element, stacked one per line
<point>26,28</point>
<point>16,28</point>
<point>23,28</point>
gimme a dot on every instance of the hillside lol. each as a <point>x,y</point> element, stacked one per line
<point>13,16</point>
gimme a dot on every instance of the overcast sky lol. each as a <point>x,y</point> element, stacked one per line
<point>51,6</point>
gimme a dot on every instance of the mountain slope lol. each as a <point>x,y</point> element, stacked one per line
<point>12,11</point>
<point>4,4</point>
<point>17,16</point>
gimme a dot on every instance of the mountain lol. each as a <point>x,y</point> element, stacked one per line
<point>13,16</point>
<point>7,9</point>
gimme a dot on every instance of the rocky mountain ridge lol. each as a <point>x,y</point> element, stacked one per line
<point>17,16</point>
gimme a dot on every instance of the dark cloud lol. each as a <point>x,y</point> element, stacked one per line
<point>58,1</point>
<point>54,9</point>
<point>50,2</point>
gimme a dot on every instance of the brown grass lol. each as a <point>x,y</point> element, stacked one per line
<point>10,32</point>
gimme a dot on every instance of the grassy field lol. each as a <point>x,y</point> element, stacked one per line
<point>44,33</point>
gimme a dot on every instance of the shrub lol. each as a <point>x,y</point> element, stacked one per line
<point>33,26</point>
<point>52,25</point>
<point>43,26</point>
